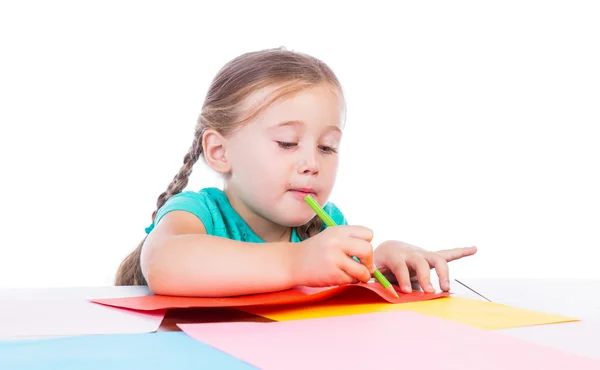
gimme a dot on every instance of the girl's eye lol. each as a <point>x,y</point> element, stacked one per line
<point>327,149</point>
<point>286,145</point>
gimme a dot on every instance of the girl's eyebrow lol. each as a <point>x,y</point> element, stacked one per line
<point>301,123</point>
<point>291,123</point>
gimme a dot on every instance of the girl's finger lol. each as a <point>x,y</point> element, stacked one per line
<point>400,270</point>
<point>362,250</point>
<point>441,268</point>
<point>421,267</point>
<point>355,270</point>
<point>457,253</point>
<point>344,278</point>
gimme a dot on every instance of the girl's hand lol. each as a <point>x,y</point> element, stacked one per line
<point>326,258</point>
<point>405,263</point>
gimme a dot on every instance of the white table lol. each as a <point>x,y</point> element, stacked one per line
<point>579,299</point>
<point>574,298</point>
<point>42,313</point>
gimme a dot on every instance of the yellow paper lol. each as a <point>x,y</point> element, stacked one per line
<point>480,314</point>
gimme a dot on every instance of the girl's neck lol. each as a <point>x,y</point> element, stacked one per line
<point>263,228</point>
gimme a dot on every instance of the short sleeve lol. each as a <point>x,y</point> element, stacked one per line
<point>189,201</point>
<point>334,212</point>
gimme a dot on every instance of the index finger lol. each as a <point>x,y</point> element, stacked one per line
<point>457,253</point>
<point>362,251</point>
<point>359,232</point>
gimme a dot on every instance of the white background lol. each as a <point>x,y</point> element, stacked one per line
<point>469,123</point>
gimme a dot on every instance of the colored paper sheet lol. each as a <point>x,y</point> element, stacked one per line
<point>480,314</point>
<point>62,317</point>
<point>380,340</point>
<point>292,296</point>
<point>172,350</point>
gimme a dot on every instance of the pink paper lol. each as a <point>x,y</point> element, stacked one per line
<point>382,340</point>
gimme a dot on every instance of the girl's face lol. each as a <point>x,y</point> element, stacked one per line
<point>290,150</point>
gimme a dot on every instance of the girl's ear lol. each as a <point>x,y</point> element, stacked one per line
<point>214,151</point>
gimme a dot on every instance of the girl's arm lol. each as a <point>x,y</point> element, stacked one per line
<point>179,258</point>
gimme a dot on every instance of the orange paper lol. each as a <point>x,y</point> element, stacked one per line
<point>375,292</point>
<point>381,340</point>
<point>480,314</point>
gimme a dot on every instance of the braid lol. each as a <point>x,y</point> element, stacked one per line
<point>182,177</point>
<point>130,270</point>
<point>309,229</point>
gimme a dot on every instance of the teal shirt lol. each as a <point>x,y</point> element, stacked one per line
<point>212,207</point>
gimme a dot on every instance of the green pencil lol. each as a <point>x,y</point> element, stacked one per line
<point>329,222</point>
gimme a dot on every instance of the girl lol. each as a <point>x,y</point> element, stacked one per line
<point>271,125</point>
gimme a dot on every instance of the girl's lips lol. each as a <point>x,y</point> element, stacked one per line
<point>302,193</point>
<point>304,190</point>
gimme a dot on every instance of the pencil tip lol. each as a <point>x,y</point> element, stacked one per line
<point>393,291</point>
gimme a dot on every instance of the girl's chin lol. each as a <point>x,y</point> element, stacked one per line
<point>296,221</point>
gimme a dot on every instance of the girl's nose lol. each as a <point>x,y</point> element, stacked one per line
<point>308,163</point>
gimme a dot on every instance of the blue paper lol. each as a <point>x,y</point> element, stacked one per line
<point>161,350</point>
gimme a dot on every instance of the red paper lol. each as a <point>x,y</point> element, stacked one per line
<point>291,296</point>
<point>382,340</point>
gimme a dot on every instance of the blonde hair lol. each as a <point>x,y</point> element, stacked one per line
<point>289,71</point>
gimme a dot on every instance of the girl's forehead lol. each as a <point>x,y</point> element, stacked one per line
<point>316,106</point>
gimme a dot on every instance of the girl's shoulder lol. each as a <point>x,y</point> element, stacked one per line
<point>204,203</point>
